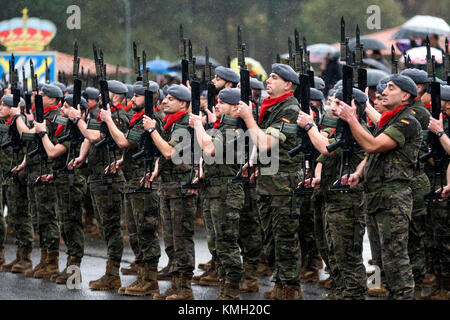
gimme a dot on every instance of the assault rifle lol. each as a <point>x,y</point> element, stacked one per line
<point>182,54</point>
<point>211,96</point>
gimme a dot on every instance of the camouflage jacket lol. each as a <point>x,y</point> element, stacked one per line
<point>395,168</point>
<point>282,181</point>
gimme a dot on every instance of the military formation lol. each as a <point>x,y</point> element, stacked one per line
<point>288,177</point>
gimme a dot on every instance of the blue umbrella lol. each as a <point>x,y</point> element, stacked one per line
<point>158,66</point>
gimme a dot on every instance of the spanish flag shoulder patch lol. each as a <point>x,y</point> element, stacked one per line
<point>413,111</point>
<point>285,120</point>
<point>405,121</point>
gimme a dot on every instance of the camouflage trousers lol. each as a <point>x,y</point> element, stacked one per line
<point>132,229</point>
<point>43,204</point>
<point>144,225</point>
<point>392,213</point>
<point>178,214</point>
<point>280,223</point>
<point>319,226</point>
<point>209,227</point>
<point>344,218</point>
<point>306,231</point>
<point>250,237</point>
<point>2,209</point>
<point>441,225</point>
<point>70,189</point>
<point>416,245</point>
<point>107,198</point>
<point>226,201</point>
<point>18,216</point>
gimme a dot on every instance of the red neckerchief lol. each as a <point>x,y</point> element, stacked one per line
<point>136,117</point>
<point>92,106</point>
<point>428,105</point>
<point>217,123</point>
<point>387,116</point>
<point>48,109</point>
<point>128,107</point>
<point>113,109</point>
<point>172,118</point>
<point>9,122</point>
<point>270,102</point>
<point>59,129</point>
<point>157,107</point>
<point>119,106</point>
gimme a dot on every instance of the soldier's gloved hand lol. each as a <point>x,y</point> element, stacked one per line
<point>435,125</point>
<point>303,119</point>
<point>148,123</point>
<point>105,115</point>
<point>74,113</point>
<point>39,127</point>
<point>244,111</point>
<point>352,180</point>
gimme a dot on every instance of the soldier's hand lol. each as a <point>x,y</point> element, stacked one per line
<point>194,120</point>
<point>446,191</point>
<point>316,183</point>
<point>20,169</point>
<point>39,127</point>
<point>76,163</point>
<point>244,111</point>
<point>149,122</point>
<point>303,119</point>
<point>30,116</point>
<point>345,112</point>
<point>74,113</point>
<point>352,180</point>
<point>105,115</point>
<point>211,115</point>
<point>50,178</point>
<point>307,183</point>
<point>435,125</point>
<point>15,111</point>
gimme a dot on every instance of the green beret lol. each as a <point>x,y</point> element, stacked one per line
<point>315,94</point>
<point>52,91</point>
<point>92,93</point>
<point>418,76</point>
<point>255,84</point>
<point>445,92</point>
<point>404,83</point>
<point>69,100</point>
<point>180,92</point>
<point>285,72</point>
<point>117,87</point>
<point>230,95</point>
<point>8,100</point>
<point>227,74</point>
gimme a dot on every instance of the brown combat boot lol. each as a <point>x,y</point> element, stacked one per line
<point>377,292</point>
<point>326,283</point>
<point>2,255</point>
<point>316,262</point>
<point>211,279</point>
<point>164,273</point>
<point>221,290</point>
<point>429,280</point>
<point>249,285</point>
<point>205,266</point>
<point>148,284</point>
<point>275,293</point>
<point>444,291</point>
<point>51,268</point>
<point>62,277</point>
<point>122,290</point>
<point>185,292</point>
<point>309,275</point>
<point>24,264</point>
<point>110,280</point>
<point>8,267</point>
<point>263,270</point>
<point>42,263</point>
<point>132,270</point>
<point>291,292</point>
<point>174,288</point>
<point>231,291</point>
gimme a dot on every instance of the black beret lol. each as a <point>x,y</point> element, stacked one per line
<point>69,100</point>
<point>418,76</point>
<point>319,84</point>
<point>60,85</point>
<point>255,84</point>
<point>285,72</point>
<point>130,91</point>
<point>69,89</point>
<point>180,92</point>
<point>227,74</point>
<point>445,92</point>
<point>52,91</point>
<point>357,94</point>
<point>117,87</point>
<point>139,89</point>
<point>230,95</point>
<point>404,83</point>
<point>92,93</point>
<point>315,94</point>
<point>8,100</point>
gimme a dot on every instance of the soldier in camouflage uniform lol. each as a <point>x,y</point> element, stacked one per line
<point>226,198</point>
<point>14,189</point>
<point>42,192</point>
<point>106,187</point>
<point>277,179</point>
<point>178,205</point>
<point>389,198</point>
<point>344,217</point>
<point>143,207</point>
<point>70,187</point>
<point>441,209</point>
<point>3,165</point>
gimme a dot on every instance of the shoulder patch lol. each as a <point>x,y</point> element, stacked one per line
<point>405,121</point>
<point>285,120</point>
<point>413,111</point>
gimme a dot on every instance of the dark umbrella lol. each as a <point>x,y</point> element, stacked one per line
<point>374,76</point>
<point>199,62</point>
<point>368,43</point>
<point>376,64</point>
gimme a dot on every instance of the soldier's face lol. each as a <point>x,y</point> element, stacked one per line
<point>225,108</point>
<point>47,101</point>
<point>138,102</point>
<point>218,82</point>
<point>378,101</point>
<point>173,105</point>
<point>92,102</point>
<point>4,111</point>
<point>445,105</point>
<point>393,96</point>
<point>64,111</point>
<point>276,86</point>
